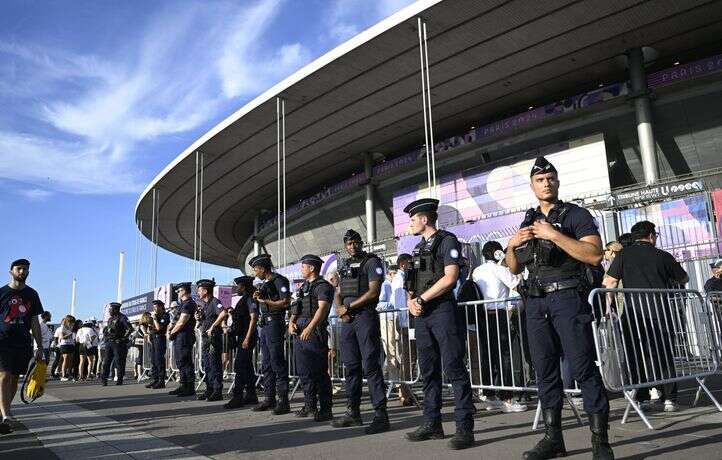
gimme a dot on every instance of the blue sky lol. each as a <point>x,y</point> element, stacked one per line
<point>98,96</point>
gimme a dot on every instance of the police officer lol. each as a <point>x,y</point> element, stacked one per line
<point>440,326</point>
<point>245,319</point>
<point>557,242</point>
<point>309,327</point>
<point>209,310</point>
<point>273,298</point>
<point>116,333</point>
<point>158,333</point>
<point>361,276</point>
<point>183,336</point>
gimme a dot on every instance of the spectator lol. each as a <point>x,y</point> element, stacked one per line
<point>714,284</point>
<point>333,331</point>
<point>406,354</point>
<point>87,339</point>
<point>626,239</point>
<point>66,342</point>
<point>76,354</point>
<point>498,332</point>
<point>47,334</point>
<point>138,340</point>
<point>643,266</point>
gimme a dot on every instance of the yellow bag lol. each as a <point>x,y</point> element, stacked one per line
<point>34,383</point>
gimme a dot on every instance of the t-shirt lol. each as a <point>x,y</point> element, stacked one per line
<point>713,285</point>
<point>17,307</point>
<point>65,336</point>
<point>495,282</point>
<point>87,336</point>
<point>643,266</point>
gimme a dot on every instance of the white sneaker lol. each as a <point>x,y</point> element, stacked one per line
<point>671,406</point>
<point>64,379</point>
<point>513,406</point>
<point>493,404</point>
<point>654,394</point>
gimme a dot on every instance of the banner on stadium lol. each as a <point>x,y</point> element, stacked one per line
<point>655,193</point>
<point>470,197</point>
<point>138,304</point>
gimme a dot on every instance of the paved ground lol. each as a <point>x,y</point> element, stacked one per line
<point>79,420</point>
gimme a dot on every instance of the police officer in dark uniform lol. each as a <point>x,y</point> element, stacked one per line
<point>440,326</point>
<point>245,319</point>
<point>209,309</point>
<point>558,243</point>
<point>309,327</point>
<point>183,336</point>
<point>273,298</point>
<point>116,333</point>
<point>360,278</point>
<point>158,333</point>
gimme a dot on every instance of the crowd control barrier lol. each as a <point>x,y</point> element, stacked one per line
<point>653,338</point>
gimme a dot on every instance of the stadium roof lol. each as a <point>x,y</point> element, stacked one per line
<point>487,59</point>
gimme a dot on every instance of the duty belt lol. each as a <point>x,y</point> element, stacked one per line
<point>560,285</point>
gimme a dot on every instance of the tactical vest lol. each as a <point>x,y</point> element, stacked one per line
<point>427,267</point>
<point>307,302</point>
<point>116,329</point>
<point>269,291</point>
<point>352,277</point>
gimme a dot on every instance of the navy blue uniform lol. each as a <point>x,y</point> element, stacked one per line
<point>560,322</point>
<point>211,347</point>
<point>440,337</point>
<point>183,344</point>
<point>274,366</point>
<point>361,342</point>
<point>157,371</point>
<point>116,345</point>
<point>243,362</point>
<point>312,355</point>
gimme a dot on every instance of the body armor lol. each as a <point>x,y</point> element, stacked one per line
<point>352,278</point>
<point>306,304</point>
<point>427,267</point>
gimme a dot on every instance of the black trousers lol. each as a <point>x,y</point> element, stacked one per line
<point>115,352</point>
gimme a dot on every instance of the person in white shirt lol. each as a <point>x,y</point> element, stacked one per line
<point>496,326</point>
<point>46,333</point>
<point>66,342</point>
<point>87,338</point>
<point>399,297</point>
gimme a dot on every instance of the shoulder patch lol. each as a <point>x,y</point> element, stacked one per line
<point>284,289</point>
<point>454,253</point>
<point>379,271</point>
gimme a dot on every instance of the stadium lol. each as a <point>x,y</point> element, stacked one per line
<point>624,97</point>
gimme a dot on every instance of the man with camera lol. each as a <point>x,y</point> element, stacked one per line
<point>273,298</point>
<point>557,243</point>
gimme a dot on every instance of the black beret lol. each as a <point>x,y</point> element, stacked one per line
<point>422,205</point>
<point>261,259</point>
<point>206,283</point>
<point>114,304</point>
<point>184,285</point>
<point>311,259</point>
<point>542,166</point>
<point>25,262</point>
<point>351,235</point>
<point>243,280</point>
<point>158,302</point>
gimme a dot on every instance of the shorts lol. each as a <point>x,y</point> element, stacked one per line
<point>67,349</point>
<point>85,351</point>
<point>15,360</point>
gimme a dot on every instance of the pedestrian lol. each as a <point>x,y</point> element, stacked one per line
<point>244,331</point>
<point>158,331</point>
<point>210,309</point>
<point>47,334</point>
<point>556,243</point>
<point>87,339</point>
<point>66,343</point>
<point>19,309</point>
<point>183,336</point>
<point>645,323</point>
<point>117,334</point>
<point>406,355</point>
<point>360,279</point>
<point>440,325</point>
<point>308,325</point>
<point>273,297</point>
<point>138,340</point>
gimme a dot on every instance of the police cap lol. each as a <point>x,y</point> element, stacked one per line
<point>243,280</point>
<point>542,166</point>
<point>114,305</point>
<point>716,264</point>
<point>19,262</point>
<point>206,283</point>
<point>311,259</point>
<point>263,260</point>
<point>158,302</point>
<point>351,235</point>
<point>184,285</point>
<point>422,205</point>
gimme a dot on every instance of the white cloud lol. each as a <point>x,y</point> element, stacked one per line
<point>346,18</point>
<point>35,194</point>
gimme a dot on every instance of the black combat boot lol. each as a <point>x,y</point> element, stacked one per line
<point>177,390</point>
<point>283,407</point>
<point>236,402</point>
<point>267,404</point>
<point>250,398</point>
<point>352,417</point>
<point>323,415</point>
<point>428,430</point>
<point>104,382</point>
<point>552,444</point>
<point>598,423</point>
<point>159,385</point>
<point>379,424</point>
<point>188,390</point>
<point>462,439</point>
<point>151,384</point>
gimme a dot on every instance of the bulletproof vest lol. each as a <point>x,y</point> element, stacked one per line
<point>427,266</point>
<point>240,312</point>
<point>269,291</point>
<point>307,303</point>
<point>545,260</point>
<point>352,277</point>
<point>116,328</point>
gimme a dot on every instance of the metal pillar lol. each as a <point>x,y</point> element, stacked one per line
<point>370,204</point>
<point>643,112</point>
<point>256,241</point>
<point>121,270</point>
<point>73,297</point>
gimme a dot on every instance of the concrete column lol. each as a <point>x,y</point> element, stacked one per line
<point>643,112</point>
<point>370,204</point>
